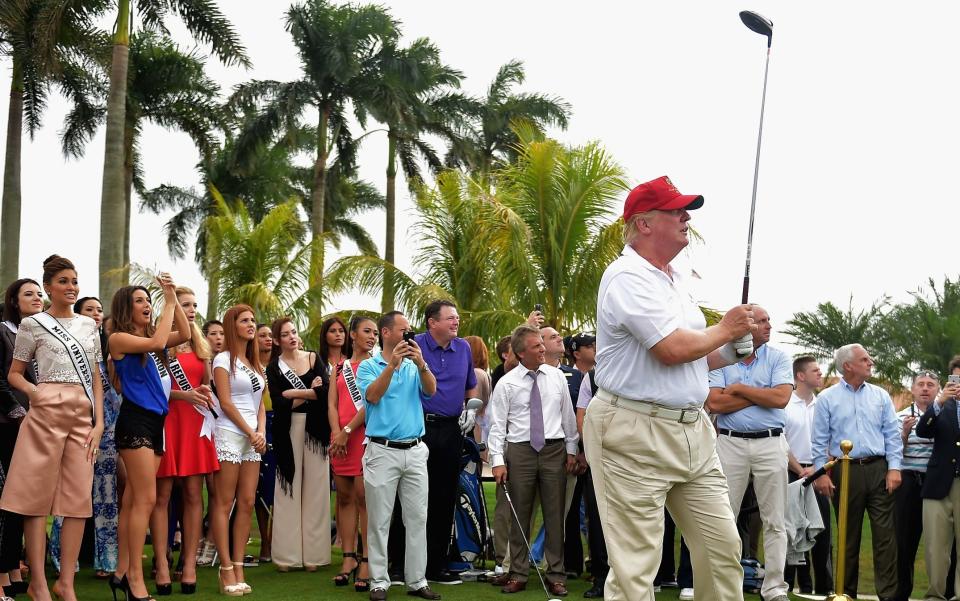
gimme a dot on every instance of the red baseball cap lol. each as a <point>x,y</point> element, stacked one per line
<point>658,194</point>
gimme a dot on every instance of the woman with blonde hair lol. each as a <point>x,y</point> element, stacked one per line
<point>190,453</point>
<point>51,472</point>
<point>240,439</point>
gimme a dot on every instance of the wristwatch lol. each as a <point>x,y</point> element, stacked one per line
<point>425,368</point>
<point>348,430</point>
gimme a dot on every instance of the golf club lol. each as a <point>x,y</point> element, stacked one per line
<point>763,26</point>
<point>529,550</point>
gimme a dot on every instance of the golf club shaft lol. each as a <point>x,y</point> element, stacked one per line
<point>516,517</point>
<point>756,174</point>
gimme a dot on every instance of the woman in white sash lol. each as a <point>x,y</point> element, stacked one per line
<point>189,452</point>
<point>301,523</point>
<point>240,439</point>
<point>141,370</point>
<point>51,472</point>
<point>346,415</point>
<point>23,298</point>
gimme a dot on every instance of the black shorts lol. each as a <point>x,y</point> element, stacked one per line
<point>138,428</point>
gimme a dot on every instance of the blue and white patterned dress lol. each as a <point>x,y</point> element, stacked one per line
<point>105,508</point>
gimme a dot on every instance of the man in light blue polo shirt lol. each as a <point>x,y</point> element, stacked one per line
<point>748,399</point>
<point>395,459</point>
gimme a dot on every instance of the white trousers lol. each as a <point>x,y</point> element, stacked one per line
<point>386,472</point>
<point>301,520</point>
<point>766,460</point>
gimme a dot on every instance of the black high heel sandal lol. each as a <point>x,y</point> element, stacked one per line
<point>343,578</point>
<point>188,588</point>
<point>361,585</point>
<point>164,590</point>
<point>118,584</point>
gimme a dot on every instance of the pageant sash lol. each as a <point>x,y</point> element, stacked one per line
<point>291,377</point>
<point>350,379</point>
<point>74,349</point>
<point>255,380</point>
<point>209,419</point>
<point>165,380</point>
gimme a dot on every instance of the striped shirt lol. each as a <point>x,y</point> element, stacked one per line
<point>917,451</point>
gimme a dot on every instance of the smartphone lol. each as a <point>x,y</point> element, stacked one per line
<point>538,308</point>
<point>408,336</point>
<point>953,379</point>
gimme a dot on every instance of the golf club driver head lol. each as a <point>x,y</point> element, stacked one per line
<point>758,23</point>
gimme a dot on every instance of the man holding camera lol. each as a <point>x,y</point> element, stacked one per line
<point>395,460</point>
<point>533,444</point>
<point>451,361</point>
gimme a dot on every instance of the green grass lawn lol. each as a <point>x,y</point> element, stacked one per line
<point>318,586</point>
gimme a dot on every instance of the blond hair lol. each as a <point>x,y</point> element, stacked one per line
<point>198,342</point>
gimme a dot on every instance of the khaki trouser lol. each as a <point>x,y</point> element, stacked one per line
<point>641,463</point>
<point>386,472</point>
<point>301,520</point>
<point>941,526</point>
<point>766,459</point>
<point>503,521</point>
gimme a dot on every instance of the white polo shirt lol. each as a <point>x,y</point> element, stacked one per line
<point>637,307</point>
<point>798,427</point>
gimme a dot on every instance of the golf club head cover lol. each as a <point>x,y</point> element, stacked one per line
<point>744,345</point>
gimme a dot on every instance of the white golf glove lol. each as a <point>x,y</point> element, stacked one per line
<point>468,419</point>
<point>744,345</point>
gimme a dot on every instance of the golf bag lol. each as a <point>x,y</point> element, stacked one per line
<point>471,532</point>
<point>753,574</point>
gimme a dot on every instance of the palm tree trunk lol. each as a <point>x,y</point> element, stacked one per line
<point>387,300</point>
<point>317,198</point>
<point>113,215</point>
<point>10,208</point>
<point>213,291</point>
<point>127,189</point>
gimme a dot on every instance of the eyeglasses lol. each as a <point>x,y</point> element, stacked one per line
<point>926,373</point>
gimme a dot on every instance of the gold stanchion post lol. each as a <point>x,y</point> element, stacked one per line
<point>839,575</point>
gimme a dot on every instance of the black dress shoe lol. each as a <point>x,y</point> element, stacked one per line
<point>378,594</point>
<point>424,593</point>
<point>595,592</point>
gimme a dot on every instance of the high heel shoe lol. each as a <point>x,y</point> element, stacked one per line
<point>361,585</point>
<point>230,590</point>
<point>188,588</point>
<point>118,584</point>
<point>164,590</point>
<point>343,578</point>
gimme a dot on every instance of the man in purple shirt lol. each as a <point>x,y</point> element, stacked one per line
<point>451,362</point>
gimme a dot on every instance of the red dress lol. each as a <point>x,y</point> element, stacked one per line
<point>349,464</point>
<point>186,453</point>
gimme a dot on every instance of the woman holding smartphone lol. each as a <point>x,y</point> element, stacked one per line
<point>240,439</point>
<point>138,350</point>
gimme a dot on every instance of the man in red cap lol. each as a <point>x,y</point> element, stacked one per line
<point>648,441</point>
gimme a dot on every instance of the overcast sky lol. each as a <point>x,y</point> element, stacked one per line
<point>858,179</point>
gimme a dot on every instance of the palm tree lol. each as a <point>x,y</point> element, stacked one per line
<point>166,86</point>
<point>49,43</point>
<point>408,96</point>
<point>336,46</point>
<point>488,140</point>
<point>544,237</point>
<point>265,265</point>
<point>824,330</point>
<point>206,23</point>
<point>270,180</point>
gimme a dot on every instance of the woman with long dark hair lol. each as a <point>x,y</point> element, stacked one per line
<point>23,298</point>
<point>51,472</point>
<point>240,439</point>
<point>190,453</point>
<point>301,523</point>
<point>346,415</point>
<point>263,505</point>
<point>138,350</point>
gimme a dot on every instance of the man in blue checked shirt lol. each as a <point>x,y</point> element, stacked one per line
<point>862,413</point>
<point>748,398</point>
